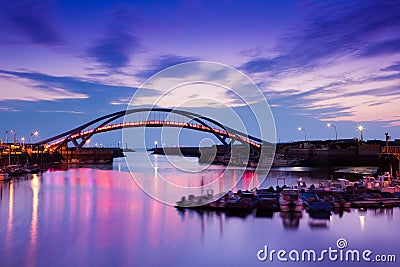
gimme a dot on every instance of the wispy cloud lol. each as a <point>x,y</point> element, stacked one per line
<point>114,50</point>
<point>358,28</point>
<point>26,90</point>
<point>62,111</point>
<point>121,101</point>
<point>161,62</point>
<point>340,63</point>
<point>33,19</point>
<point>394,67</point>
<point>35,86</point>
<point>70,82</point>
<point>9,109</point>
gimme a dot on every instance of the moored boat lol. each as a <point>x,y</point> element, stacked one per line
<point>4,176</point>
<point>290,200</point>
<point>314,203</point>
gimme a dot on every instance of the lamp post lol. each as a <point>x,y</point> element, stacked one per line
<point>7,132</point>
<point>305,132</point>
<point>334,126</point>
<point>23,141</point>
<point>35,134</point>
<point>360,129</point>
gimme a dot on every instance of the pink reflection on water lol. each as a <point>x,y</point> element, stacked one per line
<point>9,236</point>
<point>32,246</point>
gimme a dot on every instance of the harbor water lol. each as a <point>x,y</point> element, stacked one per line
<point>98,216</point>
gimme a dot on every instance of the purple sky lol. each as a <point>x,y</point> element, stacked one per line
<point>66,62</point>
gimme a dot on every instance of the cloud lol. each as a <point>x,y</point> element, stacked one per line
<point>115,49</point>
<point>161,62</point>
<point>33,19</point>
<point>385,47</point>
<point>381,91</point>
<point>73,83</point>
<point>27,90</point>
<point>9,109</point>
<point>35,86</point>
<point>62,111</point>
<point>340,63</point>
<point>261,65</point>
<point>50,94</point>
<point>357,28</point>
<point>394,67</point>
<point>121,101</point>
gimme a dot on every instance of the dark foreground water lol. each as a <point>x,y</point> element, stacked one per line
<point>94,217</point>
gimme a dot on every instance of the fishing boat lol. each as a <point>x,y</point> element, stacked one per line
<point>313,203</point>
<point>384,183</point>
<point>243,201</point>
<point>290,200</point>
<point>344,183</point>
<point>4,176</point>
<point>267,200</point>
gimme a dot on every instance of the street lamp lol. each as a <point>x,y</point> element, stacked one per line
<point>334,126</point>
<point>360,129</point>
<point>35,134</point>
<point>305,133</point>
<point>8,131</point>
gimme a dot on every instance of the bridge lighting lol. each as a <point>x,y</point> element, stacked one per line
<point>334,126</point>
<point>85,133</point>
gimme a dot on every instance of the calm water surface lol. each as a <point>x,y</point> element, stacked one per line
<point>99,217</point>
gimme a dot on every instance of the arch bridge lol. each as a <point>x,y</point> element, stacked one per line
<point>79,136</point>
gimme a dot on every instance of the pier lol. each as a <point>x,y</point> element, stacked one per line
<point>33,154</point>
